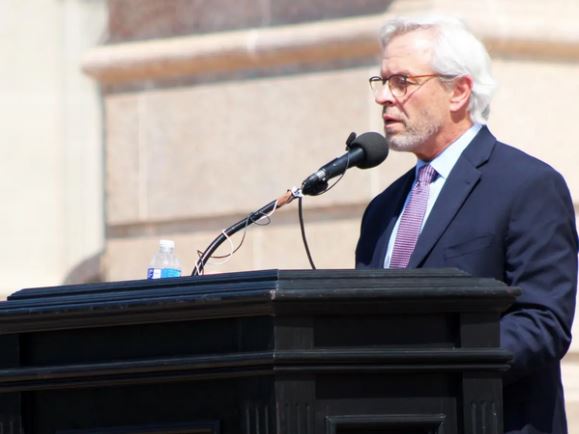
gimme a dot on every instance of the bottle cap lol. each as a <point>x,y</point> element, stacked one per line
<point>167,244</point>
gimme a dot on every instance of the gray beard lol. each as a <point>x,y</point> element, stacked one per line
<point>413,138</point>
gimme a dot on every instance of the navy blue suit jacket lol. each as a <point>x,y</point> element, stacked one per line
<point>506,215</point>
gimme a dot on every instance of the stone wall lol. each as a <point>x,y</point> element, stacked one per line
<point>52,201</point>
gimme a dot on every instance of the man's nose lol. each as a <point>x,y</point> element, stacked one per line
<point>384,96</point>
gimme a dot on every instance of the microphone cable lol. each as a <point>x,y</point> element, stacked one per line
<point>301,211</point>
<point>303,231</point>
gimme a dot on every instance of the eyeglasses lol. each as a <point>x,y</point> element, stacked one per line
<point>399,83</point>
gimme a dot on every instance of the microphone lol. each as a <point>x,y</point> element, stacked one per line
<point>365,151</point>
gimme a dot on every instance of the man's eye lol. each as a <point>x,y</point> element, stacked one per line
<point>399,81</point>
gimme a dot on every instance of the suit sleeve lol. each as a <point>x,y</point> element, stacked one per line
<point>541,259</point>
<point>363,248</point>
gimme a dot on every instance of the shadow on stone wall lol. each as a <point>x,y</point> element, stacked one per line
<point>87,271</point>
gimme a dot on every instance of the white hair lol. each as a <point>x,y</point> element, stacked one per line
<point>455,52</point>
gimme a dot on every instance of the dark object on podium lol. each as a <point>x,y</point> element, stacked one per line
<point>266,352</point>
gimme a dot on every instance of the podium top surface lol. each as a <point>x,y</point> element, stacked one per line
<point>382,282</point>
<point>255,293</point>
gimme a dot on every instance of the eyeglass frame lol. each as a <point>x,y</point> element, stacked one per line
<point>387,80</point>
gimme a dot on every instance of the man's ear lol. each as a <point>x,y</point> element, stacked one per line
<point>460,93</point>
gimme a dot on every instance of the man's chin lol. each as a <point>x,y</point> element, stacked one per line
<point>400,145</point>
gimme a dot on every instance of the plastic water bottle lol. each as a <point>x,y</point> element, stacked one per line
<point>164,262</point>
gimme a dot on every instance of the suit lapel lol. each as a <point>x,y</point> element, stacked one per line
<point>460,183</point>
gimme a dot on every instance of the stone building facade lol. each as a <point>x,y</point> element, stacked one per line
<point>52,227</point>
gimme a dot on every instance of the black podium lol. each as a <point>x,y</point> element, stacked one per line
<point>266,352</point>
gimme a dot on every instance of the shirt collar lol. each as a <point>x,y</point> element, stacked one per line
<point>445,161</point>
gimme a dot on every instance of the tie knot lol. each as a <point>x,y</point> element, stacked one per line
<point>426,174</point>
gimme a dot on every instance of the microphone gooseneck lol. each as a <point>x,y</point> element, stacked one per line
<point>365,151</point>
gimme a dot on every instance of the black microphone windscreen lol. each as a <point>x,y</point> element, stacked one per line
<point>375,149</point>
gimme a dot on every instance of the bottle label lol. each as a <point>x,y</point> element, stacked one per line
<point>161,273</point>
<point>153,273</point>
<point>170,272</point>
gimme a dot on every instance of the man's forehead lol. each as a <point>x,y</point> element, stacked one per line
<point>409,49</point>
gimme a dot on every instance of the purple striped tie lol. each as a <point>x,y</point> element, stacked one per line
<point>412,217</point>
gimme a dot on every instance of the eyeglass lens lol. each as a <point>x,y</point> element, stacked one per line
<point>396,83</point>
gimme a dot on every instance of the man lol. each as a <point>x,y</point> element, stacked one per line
<point>475,204</point>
